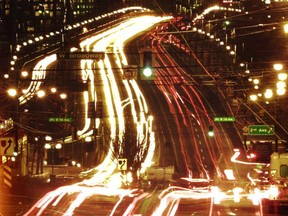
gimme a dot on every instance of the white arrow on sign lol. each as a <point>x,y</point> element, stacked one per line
<point>7,146</point>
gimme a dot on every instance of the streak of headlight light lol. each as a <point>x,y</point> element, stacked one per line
<point>105,169</point>
<point>174,207</point>
<point>251,179</point>
<point>116,205</point>
<point>164,202</point>
<point>142,110</point>
<point>87,43</point>
<point>122,197</point>
<point>109,100</point>
<point>47,199</point>
<point>179,96</point>
<point>119,46</point>
<point>122,118</point>
<point>88,76</point>
<point>177,195</point>
<point>38,73</point>
<point>107,165</point>
<point>115,181</point>
<point>107,161</point>
<point>87,120</point>
<point>140,97</point>
<point>116,95</point>
<point>236,155</point>
<point>84,74</point>
<point>76,203</point>
<point>150,153</point>
<point>87,192</point>
<point>104,84</point>
<point>133,204</point>
<point>147,162</point>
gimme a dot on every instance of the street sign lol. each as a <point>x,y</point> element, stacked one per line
<point>81,55</point>
<point>122,164</point>
<point>224,119</point>
<point>60,119</point>
<point>261,130</point>
<point>245,130</point>
<point>130,72</point>
<point>7,146</point>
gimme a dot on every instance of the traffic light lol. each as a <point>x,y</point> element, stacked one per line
<point>91,109</point>
<point>210,131</point>
<point>99,109</point>
<point>147,70</point>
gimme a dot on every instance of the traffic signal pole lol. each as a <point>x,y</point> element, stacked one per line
<point>147,71</point>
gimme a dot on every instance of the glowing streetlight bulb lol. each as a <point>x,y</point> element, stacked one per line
<point>53,90</point>
<point>41,93</point>
<point>282,76</point>
<point>58,146</point>
<point>253,97</point>
<point>47,146</point>
<point>63,96</point>
<point>281,91</point>
<point>256,81</point>
<point>268,93</point>
<point>48,138</point>
<point>24,73</point>
<point>278,67</point>
<point>12,92</point>
<point>281,85</point>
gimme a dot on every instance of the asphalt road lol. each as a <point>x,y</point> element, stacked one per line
<point>13,205</point>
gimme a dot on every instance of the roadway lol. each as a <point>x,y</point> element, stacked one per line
<point>169,116</point>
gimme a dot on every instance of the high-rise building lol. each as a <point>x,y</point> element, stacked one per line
<point>21,20</point>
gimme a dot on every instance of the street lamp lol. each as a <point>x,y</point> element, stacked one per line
<point>12,92</point>
<point>52,147</point>
<point>278,66</point>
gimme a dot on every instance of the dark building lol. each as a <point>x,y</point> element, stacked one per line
<point>21,20</point>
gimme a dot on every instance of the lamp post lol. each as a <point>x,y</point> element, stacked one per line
<point>53,147</point>
<point>13,93</point>
<point>274,95</point>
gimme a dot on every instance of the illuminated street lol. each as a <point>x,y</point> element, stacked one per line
<point>145,109</point>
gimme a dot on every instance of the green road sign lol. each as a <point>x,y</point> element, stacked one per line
<point>261,130</point>
<point>81,55</point>
<point>60,119</point>
<point>224,119</point>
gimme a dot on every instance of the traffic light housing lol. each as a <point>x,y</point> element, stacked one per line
<point>99,109</point>
<point>211,131</point>
<point>147,62</point>
<point>95,112</point>
<point>91,109</point>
